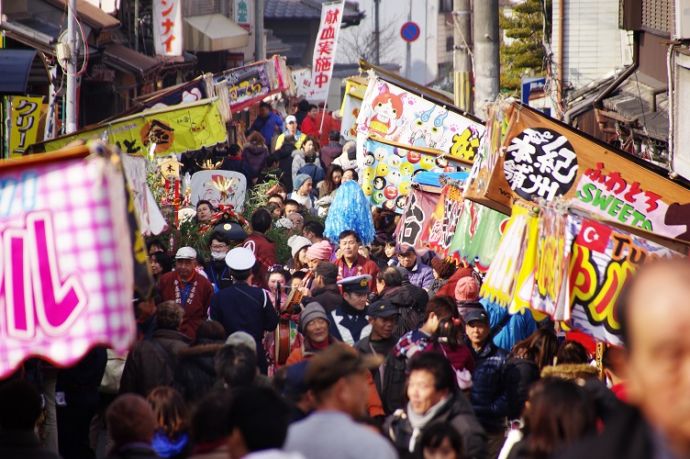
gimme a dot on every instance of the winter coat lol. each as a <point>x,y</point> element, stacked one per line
<point>411,302</point>
<point>297,162</point>
<point>268,126</point>
<point>194,313</point>
<point>152,362</point>
<point>519,376</point>
<point>195,373</point>
<point>489,394</point>
<point>314,171</point>
<point>329,297</point>
<point>421,275</point>
<point>264,250</point>
<point>436,285</point>
<point>460,357</point>
<point>391,387</point>
<point>23,444</point>
<point>254,157</point>
<point>310,126</point>
<point>457,412</point>
<point>284,154</point>
<point>329,152</point>
<point>508,329</point>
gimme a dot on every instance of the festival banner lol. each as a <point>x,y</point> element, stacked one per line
<point>66,279</point>
<point>391,113</point>
<point>219,187</point>
<point>302,80</point>
<point>419,208</point>
<point>477,235</point>
<point>545,159</point>
<point>173,130</point>
<point>251,83</point>
<point>349,109</point>
<point>325,47</point>
<point>24,118</point>
<point>151,220</point>
<point>440,228</point>
<point>388,170</point>
<point>167,27</point>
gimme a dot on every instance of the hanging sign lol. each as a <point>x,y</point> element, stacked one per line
<point>349,109</point>
<point>249,84</point>
<point>440,228</point>
<point>66,281</point>
<point>24,118</point>
<point>324,50</point>
<point>167,27</point>
<point>477,235</point>
<point>419,208</point>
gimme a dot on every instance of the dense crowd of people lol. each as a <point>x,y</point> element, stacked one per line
<point>347,350</point>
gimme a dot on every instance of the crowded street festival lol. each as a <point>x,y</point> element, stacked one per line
<point>263,262</point>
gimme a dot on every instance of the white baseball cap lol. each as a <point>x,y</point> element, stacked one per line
<point>240,259</point>
<point>185,253</point>
<point>290,119</point>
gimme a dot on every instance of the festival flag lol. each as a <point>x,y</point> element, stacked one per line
<point>440,228</point>
<point>66,281</point>
<point>477,235</point>
<point>167,27</point>
<point>324,50</point>
<point>419,208</point>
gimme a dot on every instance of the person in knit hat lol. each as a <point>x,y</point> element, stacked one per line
<point>302,186</point>
<point>298,248</point>
<point>467,295</point>
<point>313,324</point>
<point>316,253</point>
<point>442,270</point>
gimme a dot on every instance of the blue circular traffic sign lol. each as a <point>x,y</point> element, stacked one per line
<point>410,31</point>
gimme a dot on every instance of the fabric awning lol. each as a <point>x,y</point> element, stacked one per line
<point>15,65</point>
<point>213,32</point>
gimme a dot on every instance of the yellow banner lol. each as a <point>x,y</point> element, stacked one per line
<point>174,130</point>
<point>26,114</point>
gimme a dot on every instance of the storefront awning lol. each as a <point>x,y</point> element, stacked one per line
<point>213,32</point>
<point>15,65</point>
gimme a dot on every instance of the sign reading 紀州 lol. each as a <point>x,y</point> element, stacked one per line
<point>390,113</point>
<point>65,284</point>
<point>324,50</point>
<point>539,158</point>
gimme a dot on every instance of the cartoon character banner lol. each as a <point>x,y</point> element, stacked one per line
<point>439,229</point>
<point>477,235</point>
<point>173,130</point>
<point>391,113</point>
<point>545,159</point>
<point>419,208</point>
<point>219,187</point>
<point>65,284</point>
<point>349,109</point>
<point>388,171</point>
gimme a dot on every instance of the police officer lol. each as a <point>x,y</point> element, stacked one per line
<point>349,320</point>
<point>241,307</point>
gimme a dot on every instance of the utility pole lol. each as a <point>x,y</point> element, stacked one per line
<point>71,94</point>
<point>462,64</point>
<point>486,61</point>
<point>377,34</point>
<point>136,25</point>
<point>260,49</point>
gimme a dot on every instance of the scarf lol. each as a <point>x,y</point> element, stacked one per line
<point>318,346</point>
<point>418,421</point>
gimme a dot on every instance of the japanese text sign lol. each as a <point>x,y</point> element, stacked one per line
<point>174,130</point>
<point>324,50</point>
<point>26,113</point>
<point>167,27</point>
<point>65,285</point>
<point>420,206</point>
<point>249,84</point>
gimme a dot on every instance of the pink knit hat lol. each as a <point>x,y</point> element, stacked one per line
<point>467,289</point>
<point>320,251</point>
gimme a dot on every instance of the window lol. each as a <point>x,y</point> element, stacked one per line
<point>445,6</point>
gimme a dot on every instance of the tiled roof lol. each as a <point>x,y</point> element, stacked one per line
<point>305,9</point>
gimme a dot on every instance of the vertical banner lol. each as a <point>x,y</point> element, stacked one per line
<point>241,13</point>
<point>324,50</point>
<point>167,27</point>
<point>419,208</point>
<point>24,119</point>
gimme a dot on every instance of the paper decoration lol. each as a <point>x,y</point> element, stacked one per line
<point>325,48</point>
<point>167,27</point>
<point>477,235</point>
<point>391,113</point>
<point>173,130</point>
<point>219,187</point>
<point>419,208</point>
<point>440,228</point>
<point>24,119</point>
<point>67,276</point>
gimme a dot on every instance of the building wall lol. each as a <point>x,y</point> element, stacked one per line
<point>594,46</point>
<point>424,52</point>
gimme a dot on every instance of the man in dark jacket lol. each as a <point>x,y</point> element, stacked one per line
<point>195,374</point>
<point>434,398</point>
<point>410,300</point>
<point>654,322</point>
<point>349,320</point>
<point>284,155</point>
<point>325,289</point>
<point>268,123</point>
<point>242,307</point>
<point>390,376</point>
<point>331,151</point>
<point>489,395</point>
<point>152,362</point>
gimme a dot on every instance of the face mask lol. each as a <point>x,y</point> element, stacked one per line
<point>218,255</point>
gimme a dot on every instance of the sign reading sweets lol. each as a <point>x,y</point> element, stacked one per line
<point>167,27</point>
<point>324,50</point>
<point>26,114</point>
<point>173,130</point>
<point>64,282</point>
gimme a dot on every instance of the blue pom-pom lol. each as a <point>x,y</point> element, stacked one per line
<point>350,210</point>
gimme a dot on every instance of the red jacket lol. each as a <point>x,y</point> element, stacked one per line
<point>361,266</point>
<point>311,126</point>
<point>265,252</point>
<point>196,307</point>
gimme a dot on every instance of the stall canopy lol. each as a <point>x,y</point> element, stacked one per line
<point>15,65</point>
<point>213,32</point>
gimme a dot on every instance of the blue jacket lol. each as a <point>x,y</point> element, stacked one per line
<point>349,325</point>
<point>489,394</point>
<point>242,307</point>
<point>421,275</point>
<point>268,126</point>
<point>517,327</point>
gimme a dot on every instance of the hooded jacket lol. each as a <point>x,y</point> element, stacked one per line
<point>195,373</point>
<point>489,395</point>
<point>254,157</point>
<point>457,412</point>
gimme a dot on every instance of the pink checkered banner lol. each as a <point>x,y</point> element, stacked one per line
<point>66,277</point>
